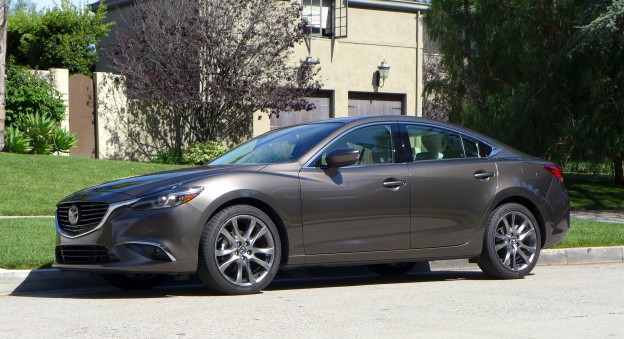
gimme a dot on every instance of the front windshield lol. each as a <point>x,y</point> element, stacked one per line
<point>278,146</point>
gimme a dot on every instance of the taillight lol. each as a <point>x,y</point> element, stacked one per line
<point>555,170</point>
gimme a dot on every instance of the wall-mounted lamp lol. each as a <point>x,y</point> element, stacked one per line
<point>382,73</point>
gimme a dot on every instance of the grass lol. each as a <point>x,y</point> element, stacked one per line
<point>586,233</point>
<point>593,192</point>
<point>33,184</point>
<point>29,243</point>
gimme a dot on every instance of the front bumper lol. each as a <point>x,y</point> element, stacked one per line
<point>164,241</point>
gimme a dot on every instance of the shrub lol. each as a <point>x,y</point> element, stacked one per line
<point>15,141</point>
<point>200,153</point>
<point>39,135</point>
<point>63,141</point>
<point>172,156</point>
<point>39,129</point>
<point>587,167</point>
<point>26,93</point>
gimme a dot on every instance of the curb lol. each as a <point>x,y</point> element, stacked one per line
<point>53,280</point>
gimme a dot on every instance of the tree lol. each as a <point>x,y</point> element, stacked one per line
<point>543,76</point>
<point>3,35</point>
<point>599,121</point>
<point>507,68</point>
<point>215,62</point>
<point>64,36</point>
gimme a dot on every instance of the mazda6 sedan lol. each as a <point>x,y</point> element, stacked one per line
<point>384,191</point>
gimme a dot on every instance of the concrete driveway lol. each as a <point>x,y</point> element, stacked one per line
<point>556,301</point>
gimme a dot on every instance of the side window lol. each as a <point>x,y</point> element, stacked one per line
<point>430,143</point>
<point>475,148</point>
<point>374,143</point>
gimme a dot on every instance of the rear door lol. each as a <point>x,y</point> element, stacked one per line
<point>451,186</point>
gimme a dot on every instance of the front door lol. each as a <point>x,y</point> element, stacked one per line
<point>360,208</point>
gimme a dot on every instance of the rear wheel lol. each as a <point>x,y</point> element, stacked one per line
<point>239,251</point>
<point>511,244</point>
<point>392,269</point>
<point>131,281</point>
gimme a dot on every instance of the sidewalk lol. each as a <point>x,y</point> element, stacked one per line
<point>616,216</point>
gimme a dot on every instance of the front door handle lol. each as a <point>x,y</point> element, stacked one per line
<point>392,183</point>
<point>481,174</point>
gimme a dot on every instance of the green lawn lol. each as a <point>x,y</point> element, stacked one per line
<point>26,243</point>
<point>593,192</point>
<point>33,184</point>
<point>29,243</point>
<point>585,233</point>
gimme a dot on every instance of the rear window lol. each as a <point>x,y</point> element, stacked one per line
<point>475,148</point>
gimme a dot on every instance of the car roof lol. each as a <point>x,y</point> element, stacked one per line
<point>354,121</point>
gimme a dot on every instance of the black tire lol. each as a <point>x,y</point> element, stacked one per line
<point>511,243</point>
<point>249,259</point>
<point>392,269</point>
<point>134,282</point>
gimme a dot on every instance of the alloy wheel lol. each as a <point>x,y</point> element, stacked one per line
<point>244,250</point>
<point>515,241</point>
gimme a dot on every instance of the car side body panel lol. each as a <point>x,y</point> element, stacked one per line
<point>440,213</point>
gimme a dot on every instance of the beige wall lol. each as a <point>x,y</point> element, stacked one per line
<point>350,64</point>
<point>59,78</point>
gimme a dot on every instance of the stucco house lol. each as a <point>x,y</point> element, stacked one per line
<point>370,53</point>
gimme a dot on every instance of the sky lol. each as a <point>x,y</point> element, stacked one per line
<point>41,4</point>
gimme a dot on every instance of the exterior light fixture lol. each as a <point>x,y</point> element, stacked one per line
<point>382,73</point>
<point>310,61</point>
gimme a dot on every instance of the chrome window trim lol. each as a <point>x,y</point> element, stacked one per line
<point>111,208</point>
<point>495,150</point>
<point>161,246</point>
<point>310,162</point>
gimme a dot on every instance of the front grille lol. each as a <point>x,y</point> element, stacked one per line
<point>84,255</point>
<point>90,214</point>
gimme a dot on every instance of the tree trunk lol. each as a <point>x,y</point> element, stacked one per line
<point>3,36</point>
<point>618,171</point>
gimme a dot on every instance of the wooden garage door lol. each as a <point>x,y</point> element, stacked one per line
<point>375,104</point>
<point>322,111</point>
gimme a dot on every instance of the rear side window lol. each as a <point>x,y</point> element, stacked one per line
<point>475,148</point>
<point>431,143</point>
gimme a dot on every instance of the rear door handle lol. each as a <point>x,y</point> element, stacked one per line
<point>481,174</point>
<point>391,183</point>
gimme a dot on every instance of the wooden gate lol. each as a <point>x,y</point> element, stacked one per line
<point>82,115</point>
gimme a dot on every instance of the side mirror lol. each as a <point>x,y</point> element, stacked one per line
<point>342,157</point>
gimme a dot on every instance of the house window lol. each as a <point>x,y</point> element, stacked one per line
<point>327,18</point>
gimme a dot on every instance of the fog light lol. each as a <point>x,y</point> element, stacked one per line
<point>150,251</point>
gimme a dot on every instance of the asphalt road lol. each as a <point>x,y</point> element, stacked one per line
<point>556,301</point>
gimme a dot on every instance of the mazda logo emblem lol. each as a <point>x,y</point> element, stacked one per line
<point>73,214</point>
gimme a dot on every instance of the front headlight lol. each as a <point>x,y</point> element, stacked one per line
<point>166,199</point>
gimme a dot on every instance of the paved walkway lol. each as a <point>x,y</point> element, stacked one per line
<point>616,216</point>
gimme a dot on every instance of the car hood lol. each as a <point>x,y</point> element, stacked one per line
<point>139,186</point>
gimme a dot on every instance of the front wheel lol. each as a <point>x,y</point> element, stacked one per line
<point>239,251</point>
<point>511,244</point>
